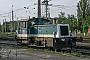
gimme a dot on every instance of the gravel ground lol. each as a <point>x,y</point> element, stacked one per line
<point>13,53</point>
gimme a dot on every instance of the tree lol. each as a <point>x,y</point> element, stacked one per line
<point>61,17</point>
<point>70,19</point>
<point>83,12</point>
<point>0,28</point>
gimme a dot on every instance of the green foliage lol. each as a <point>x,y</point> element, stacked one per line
<point>61,17</point>
<point>70,19</point>
<point>0,28</point>
<point>83,13</point>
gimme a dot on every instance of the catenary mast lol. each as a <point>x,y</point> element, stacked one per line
<point>39,8</point>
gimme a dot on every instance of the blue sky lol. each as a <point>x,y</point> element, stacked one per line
<point>6,7</point>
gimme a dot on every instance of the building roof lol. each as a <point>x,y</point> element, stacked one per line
<point>22,20</point>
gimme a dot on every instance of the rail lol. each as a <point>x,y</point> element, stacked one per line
<point>86,38</point>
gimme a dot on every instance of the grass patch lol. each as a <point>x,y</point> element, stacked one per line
<point>78,54</point>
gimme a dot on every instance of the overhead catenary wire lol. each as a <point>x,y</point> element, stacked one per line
<point>16,10</point>
<point>62,7</point>
<point>20,11</point>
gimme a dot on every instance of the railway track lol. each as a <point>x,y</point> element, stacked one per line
<point>7,39</point>
<point>82,47</point>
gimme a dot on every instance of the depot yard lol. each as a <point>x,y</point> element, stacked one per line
<point>15,52</point>
<point>11,52</point>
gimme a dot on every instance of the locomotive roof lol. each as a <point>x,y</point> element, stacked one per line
<point>52,24</point>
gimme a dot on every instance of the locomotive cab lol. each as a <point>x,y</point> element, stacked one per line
<point>63,30</point>
<point>22,31</point>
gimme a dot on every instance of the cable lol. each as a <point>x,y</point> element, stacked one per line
<point>16,10</point>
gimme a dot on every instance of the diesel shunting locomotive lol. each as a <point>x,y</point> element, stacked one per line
<point>39,32</point>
